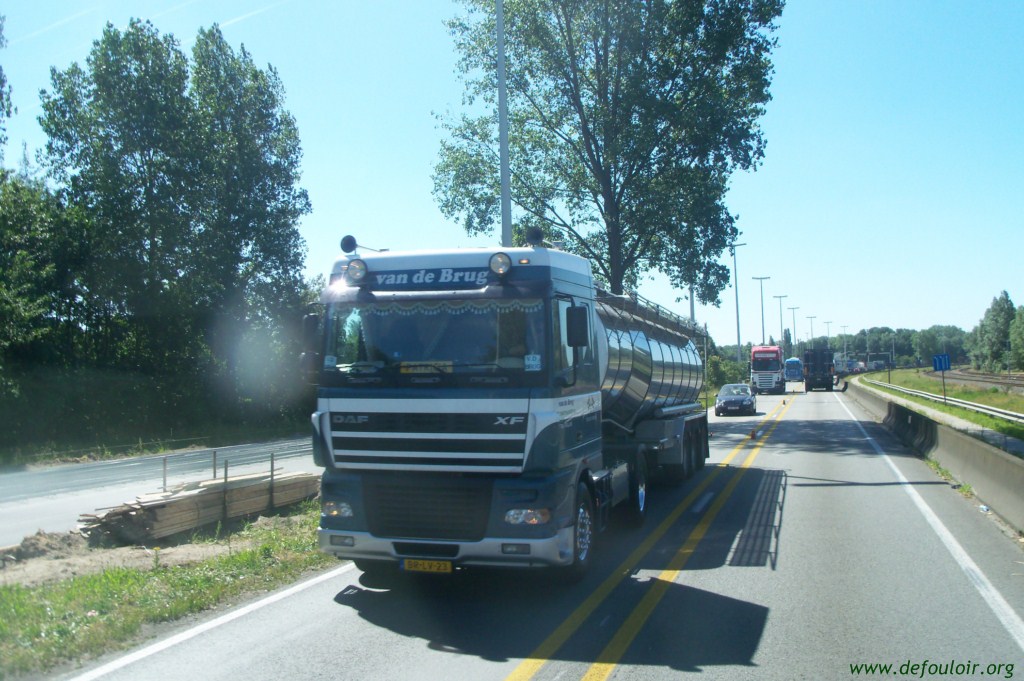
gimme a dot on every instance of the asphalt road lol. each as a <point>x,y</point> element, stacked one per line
<point>810,543</point>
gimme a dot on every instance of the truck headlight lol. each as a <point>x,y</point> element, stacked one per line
<point>336,509</point>
<point>528,516</point>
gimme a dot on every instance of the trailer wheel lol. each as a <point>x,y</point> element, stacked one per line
<point>582,536</point>
<point>637,512</point>
<point>677,473</point>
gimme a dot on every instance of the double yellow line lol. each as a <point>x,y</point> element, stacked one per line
<point>616,648</point>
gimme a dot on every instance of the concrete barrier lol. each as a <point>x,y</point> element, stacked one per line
<point>995,477</point>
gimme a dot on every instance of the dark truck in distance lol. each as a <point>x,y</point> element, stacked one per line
<point>819,369</point>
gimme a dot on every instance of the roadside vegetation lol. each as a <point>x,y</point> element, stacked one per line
<point>1000,398</point>
<point>44,626</point>
<point>104,413</point>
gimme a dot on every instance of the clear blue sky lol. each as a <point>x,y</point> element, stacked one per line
<point>891,193</point>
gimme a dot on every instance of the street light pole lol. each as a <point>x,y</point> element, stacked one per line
<point>845,357</point>
<point>793,310</point>
<point>782,328</point>
<point>761,281</point>
<point>812,318</point>
<point>505,175</point>
<point>828,335</point>
<point>736,285</point>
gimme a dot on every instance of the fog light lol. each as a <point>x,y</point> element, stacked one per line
<point>336,509</point>
<point>342,540</point>
<point>515,549</point>
<point>527,516</point>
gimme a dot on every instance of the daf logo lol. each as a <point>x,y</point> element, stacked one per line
<point>509,420</point>
<point>352,419</point>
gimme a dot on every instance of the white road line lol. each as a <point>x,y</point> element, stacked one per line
<point>1010,620</point>
<point>143,653</point>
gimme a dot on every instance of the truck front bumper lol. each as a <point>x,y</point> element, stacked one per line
<point>495,552</point>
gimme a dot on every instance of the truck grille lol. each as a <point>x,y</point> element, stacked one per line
<point>452,441</point>
<point>425,507</point>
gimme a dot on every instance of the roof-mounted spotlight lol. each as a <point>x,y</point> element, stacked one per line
<point>500,264</point>
<point>355,273</point>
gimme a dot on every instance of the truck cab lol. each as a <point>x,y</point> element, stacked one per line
<point>474,409</point>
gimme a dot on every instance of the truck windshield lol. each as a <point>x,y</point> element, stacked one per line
<point>396,340</point>
<point>765,364</point>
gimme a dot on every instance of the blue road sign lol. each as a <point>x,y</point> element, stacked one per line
<point>940,362</point>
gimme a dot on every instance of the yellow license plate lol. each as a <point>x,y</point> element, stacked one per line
<point>414,565</point>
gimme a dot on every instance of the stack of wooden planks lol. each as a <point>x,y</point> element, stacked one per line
<point>195,504</point>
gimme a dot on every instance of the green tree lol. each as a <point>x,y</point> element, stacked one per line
<point>119,138</point>
<point>189,178</point>
<point>990,340</point>
<point>1017,339</point>
<point>6,109</point>
<point>626,121</point>
<point>24,268</point>
<point>40,253</point>
<point>250,251</point>
<point>939,339</point>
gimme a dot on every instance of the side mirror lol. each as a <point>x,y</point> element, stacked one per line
<point>311,333</point>
<point>577,328</point>
<point>309,360</point>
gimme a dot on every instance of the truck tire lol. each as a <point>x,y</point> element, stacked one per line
<point>677,473</point>
<point>702,450</point>
<point>582,536</point>
<point>637,508</point>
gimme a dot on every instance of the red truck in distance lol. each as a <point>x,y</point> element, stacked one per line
<point>767,370</point>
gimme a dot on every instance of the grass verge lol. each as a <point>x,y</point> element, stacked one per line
<point>44,626</point>
<point>993,397</point>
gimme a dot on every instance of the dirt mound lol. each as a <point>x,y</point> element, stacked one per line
<point>50,545</point>
<point>48,557</point>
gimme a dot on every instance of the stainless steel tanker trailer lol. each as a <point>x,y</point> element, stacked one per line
<point>484,407</point>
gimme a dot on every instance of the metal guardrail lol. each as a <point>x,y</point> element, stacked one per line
<point>963,404</point>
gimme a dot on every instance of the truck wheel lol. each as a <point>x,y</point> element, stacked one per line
<point>677,473</point>
<point>702,450</point>
<point>582,536</point>
<point>637,513</point>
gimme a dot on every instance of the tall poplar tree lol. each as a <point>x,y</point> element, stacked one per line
<point>188,173</point>
<point>626,122</point>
